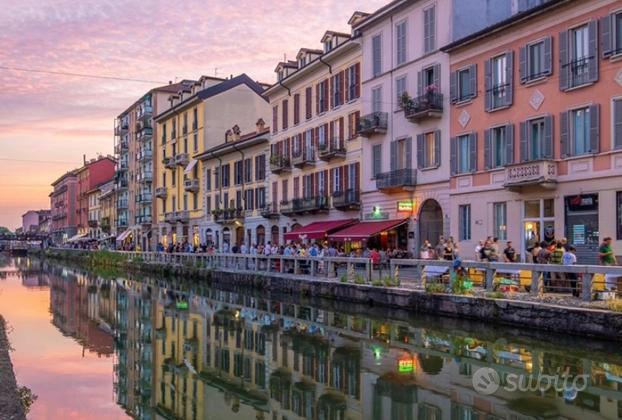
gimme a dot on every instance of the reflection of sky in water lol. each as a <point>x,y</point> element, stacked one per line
<point>70,383</point>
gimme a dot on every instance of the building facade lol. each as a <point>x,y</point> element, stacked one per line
<point>107,209</point>
<point>89,176</point>
<point>235,188</point>
<point>94,213</point>
<point>315,151</point>
<point>63,203</point>
<point>537,129</point>
<point>198,117</point>
<point>135,136</point>
<point>34,220</point>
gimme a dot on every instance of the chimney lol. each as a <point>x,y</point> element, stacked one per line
<point>260,125</point>
<point>84,159</point>
<point>228,136</point>
<point>236,132</point>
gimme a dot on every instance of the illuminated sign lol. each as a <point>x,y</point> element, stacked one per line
<point>405,206</point>
<point>406,365</point>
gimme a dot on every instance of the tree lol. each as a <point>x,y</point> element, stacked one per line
<point>5,231</point>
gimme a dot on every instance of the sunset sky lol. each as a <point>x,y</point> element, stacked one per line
<point>48,121</point>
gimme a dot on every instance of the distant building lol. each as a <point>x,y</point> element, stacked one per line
<point>32,220</point>
<point>63,207</point>
<point>107,209</point>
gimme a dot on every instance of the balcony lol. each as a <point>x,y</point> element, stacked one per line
<point>145,198</point>
<point>169,162</point>
<point>428,105</point>
<point>271,211</point>
<point>122,184</point>
<point>374,123</point>
<point>182,159</point>
<point>93,223</point>
<point>182,216</point>
<point>122,204</point>
<point>122,128</point>
<point>302,158</point>
<point>314,204</point>
<point>144,219</point>
<point>170,217</point>
<point>280,164</point>
<point>145,134</point>
<point>191,185</point>
<point>333,149</point>
<point>289,207</point>
<point>122,165</point>
<point>121,223</point>
<point>349,199</point>
<point>228,215</point>
<point>144,155</point>
<point>399,180</point>
<point>542,174</point>
<point>145,177</point>
<point>161,192</point>
<point>145,112</point>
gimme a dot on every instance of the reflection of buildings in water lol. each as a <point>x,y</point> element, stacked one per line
<point>36,281</point>
<point>134,363</point>
<point>69,304</point>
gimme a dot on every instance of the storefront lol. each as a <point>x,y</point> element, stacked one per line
<point>317,231</point>
<point>538,222</point>
<point>388,234</point>
<point>581,221</point>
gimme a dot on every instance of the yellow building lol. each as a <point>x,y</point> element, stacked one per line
<point>235,188</point>
<point>197,120</point>
<point>316,147</point>
<point>108,209</point>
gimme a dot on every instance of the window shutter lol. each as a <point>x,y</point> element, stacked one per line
<point>357,176</point>
<point>317,99</point>
<point>326,94</point>
<point>617,118</point>
<point>409,153</point>
<point>342,80</point>
<point>547,67</point>
<point>437,148</point>
<point>488,84</point>
<point>325,183</point>
<point>357,123</point>
<point>522,67</point>
<point>548,136</point>
<point>524,151</point>
<point>564,65</point>
<point>594,128</point>
<point>377,162</point>
<point>509,77</point>
<point>453,158</point>
<point>346,83</point>
<point>420,151</point>
<point>419,83</point>
<point>331,181</point>
<point>357,72</point>
<point>343,173</point>
<point>341,131</point>
<point>393,156</point>
<point>453,87</point>
<point>350,126</point>
<point>473,80</point>
<point>332,92</point>
<point>606,34</point>
<point>509,144</point>
<point>473,157</point>
<point>331,136</point>
<point>488,148</point>
<point>592,29</point>
<point>437,76</point>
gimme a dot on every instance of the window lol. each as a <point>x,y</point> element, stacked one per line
<point>322,96</point>
<point>578,49</point>
<point>248,170</point>
<point>580,131</point>
<point>618,33</point>
<point>353,123</point>
<point>336,179</point>
<point>464,222</point>
<point>619,214</point>
<point>376,54</point>
<point>164,133</point>
<point>285,111</point>
<point>336,89</point>
<point>185,202</point>
<point>429,30</point>
<point>260,197</point>
<point>237,172</point>
<point>308,102</point>
<point>499,147</point>
<point>195,142</point>
<point>275,118</point>
<point>428,149</point>
<point>208,180</point>
<point>463,86</point>
<point>463,154</point>
<point>260,167</point>
<point>321,135</point>
<point>226,173</point>
<point>499,81</point>
<point>376,162</point>
<point>195,201</point>
<point>401,154</point>
<point>499,221</point>
<point>535,60</point>
<point>401,30</point>
<point>400,89</point>
<point>248,199</point>
<point>376,99</point>
<point>296,108</point>
<point>353,86</point>
<point>534,140</point>
<point>208,204</point>
<point>617,121</point>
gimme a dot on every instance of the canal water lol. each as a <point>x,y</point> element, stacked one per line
<point>113,348</point>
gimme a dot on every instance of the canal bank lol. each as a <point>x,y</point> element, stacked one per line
<point>10,405</point>
<point>581,321</point>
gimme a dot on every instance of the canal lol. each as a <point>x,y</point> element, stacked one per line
<point>106,347</point>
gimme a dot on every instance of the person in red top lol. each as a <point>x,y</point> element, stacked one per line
<point>375,258</point>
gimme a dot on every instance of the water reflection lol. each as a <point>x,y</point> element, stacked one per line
<point>205,353</point>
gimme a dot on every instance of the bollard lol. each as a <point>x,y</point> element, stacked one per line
<point>536,283</point>
<point>490,277</point>
<point>350,271</point>
<point>586,290</point>
<point>396,275</point>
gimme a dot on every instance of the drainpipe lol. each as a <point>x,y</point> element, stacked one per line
<point>330,68</point>
<point>289,92</point>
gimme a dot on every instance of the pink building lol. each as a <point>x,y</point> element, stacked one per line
<point>33,219</point>
<point>94,172</point>
<point>536,127</point>
<point>63,207</point>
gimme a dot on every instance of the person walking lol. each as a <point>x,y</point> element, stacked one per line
<point>570,258</point>
<point>509,253</point>
<point>607,257</point>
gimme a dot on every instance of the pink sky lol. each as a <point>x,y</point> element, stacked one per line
<point>54,119</point>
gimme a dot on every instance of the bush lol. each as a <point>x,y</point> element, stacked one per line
<point>359,279</point>
<point>435,288</point>
<point>615,305</point>
<point>377,283</point>
<point>495,295</point>
<point>389,281</point>
<point>343,278</point>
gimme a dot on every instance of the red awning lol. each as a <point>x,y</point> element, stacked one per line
<point>365,230</point>
<point>317,230</point>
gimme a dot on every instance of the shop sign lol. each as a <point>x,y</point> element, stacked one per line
<point>405,365</point>
<point>377,216</point>
<point>405,206</point>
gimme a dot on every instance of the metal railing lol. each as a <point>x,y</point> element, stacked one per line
<point>280,163</point>
<point>511,281</point>
<point>348,198</point>
<point>424,105</point>
<point>376,122</point>
<point>396,179</point>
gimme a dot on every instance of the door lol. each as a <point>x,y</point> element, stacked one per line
<point>430,222</point>
<point>581,221</point>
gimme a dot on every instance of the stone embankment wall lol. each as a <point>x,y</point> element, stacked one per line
<point>10,405</point>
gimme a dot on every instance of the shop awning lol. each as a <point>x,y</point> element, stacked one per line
<point>317,230</point>
<point>190,166</point>
<point>77,237</point>
<point>124,235</point>
<point>365,230</point>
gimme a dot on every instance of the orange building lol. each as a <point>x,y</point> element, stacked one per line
<point>536,127</point>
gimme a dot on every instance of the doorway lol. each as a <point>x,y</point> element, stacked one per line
<point>430,222</point>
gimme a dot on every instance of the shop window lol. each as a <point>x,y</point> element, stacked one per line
<point>500,221</point>
<point>464,222</point>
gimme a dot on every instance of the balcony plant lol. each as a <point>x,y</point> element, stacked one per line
<point>406,101</point>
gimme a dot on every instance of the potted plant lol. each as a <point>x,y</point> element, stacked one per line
<point>406,100</point>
